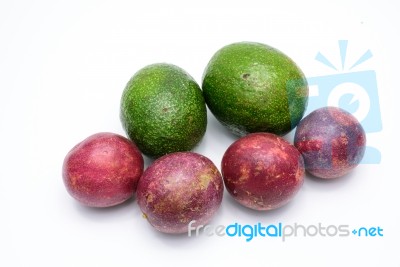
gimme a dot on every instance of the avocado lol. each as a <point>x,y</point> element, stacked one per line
<point>163,110</point>
<point>252,87</point>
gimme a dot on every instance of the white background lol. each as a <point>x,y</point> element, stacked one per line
<point>63,66</point>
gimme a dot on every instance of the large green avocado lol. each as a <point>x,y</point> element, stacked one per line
<point>252,87</point>
<point>163,110</point>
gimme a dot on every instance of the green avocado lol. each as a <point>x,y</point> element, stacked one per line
<point>252,87</point>
<point>163,110</point>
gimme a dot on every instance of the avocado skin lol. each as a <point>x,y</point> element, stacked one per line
<point>163,110</point>
<point>252,87</point>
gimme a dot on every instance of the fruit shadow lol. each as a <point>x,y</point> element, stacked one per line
<point>179,241</point>
<point>251,215</point>
<point>215,127</point>
<point>216,140</point>
<point>329,184</point>
<point>103,214</point>
<point>147,161</point>
<point>290,136</point>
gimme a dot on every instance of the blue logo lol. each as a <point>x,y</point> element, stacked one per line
<point>354,91</point>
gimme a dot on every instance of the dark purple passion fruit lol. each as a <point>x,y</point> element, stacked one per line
<point>332,142</point>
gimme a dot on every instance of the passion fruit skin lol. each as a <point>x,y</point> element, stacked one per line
<point>103,170</point>
<point>262,171</point>
<point>332,142</point>
<point>179,188</point>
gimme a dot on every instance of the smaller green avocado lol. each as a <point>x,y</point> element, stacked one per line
<point>163,110</point>
<point>252,87</point>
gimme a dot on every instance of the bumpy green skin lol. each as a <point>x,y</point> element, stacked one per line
<point>163,110</point>
<point>252,87</point>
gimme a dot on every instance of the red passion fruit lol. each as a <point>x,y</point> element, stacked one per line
<point>179,188</point>
<point>103,170</point>
<point>262,171</point>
